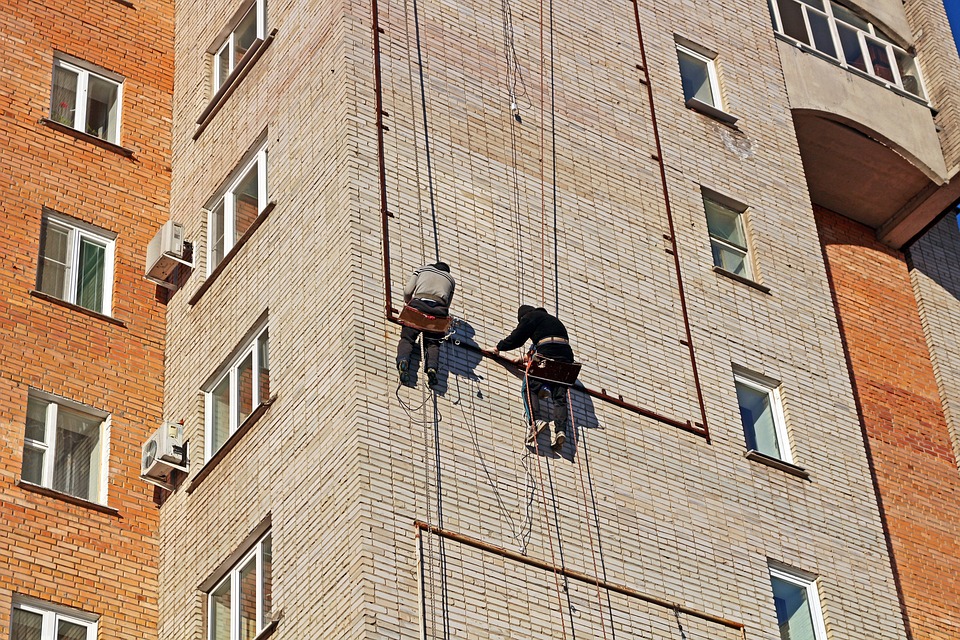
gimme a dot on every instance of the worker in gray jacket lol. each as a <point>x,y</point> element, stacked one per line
<point>429,290</point>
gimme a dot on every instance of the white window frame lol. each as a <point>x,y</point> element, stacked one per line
<point>49,448</point>
<point>809,584</point>
<point>228,43</point>
<point>84,71</point>
<point>741,211</point>
<point>226,199</point>
<point>80,231</point>
<point>711,65</point>
<point>874,34</point>
<point>53,614</point>
<point>231,372</point>
<point>772,390</point>
<point>233,576</point>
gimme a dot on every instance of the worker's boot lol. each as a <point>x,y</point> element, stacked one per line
<point>559,437</point>
<point>544,392</point>
<point>432,377</point>
<point>539,426</point>
<point>402,366</point>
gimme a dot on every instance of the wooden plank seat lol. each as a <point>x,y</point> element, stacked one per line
<point>410,317</point>
<point>564,373</point>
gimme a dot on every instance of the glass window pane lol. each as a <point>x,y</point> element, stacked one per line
<point>263,376</point>
<point>27,625</point>
<point>246,203</point>
<point>730,259</point>
<point>245,34</point>
<point>793,611</point>
<point>32,465</point>
<point>822,37</point>
<point>725,223</point>
<point>219,611</point>
<point>880,59</point>
<point>90,281</point>
<point>791,18</point>
<point>70,631</point>
<point>63,101</point>
<point>266,606</point>
<point>36,419</point>
<point>217,234</point>
<point>756,413</point>
<point>245,388</point>
<point>220,410</point>
<point>852,52</point>
<point>845,15</point>
<point>102,105</point>
<point>695,77</point>
<point>76,467</point>
<point>908,72</point>
<point>223,66</point>
<point>54,254</point>
<point>248,600</point>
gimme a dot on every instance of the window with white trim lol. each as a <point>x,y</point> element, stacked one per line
<point>86,99</point>
<point>250,26</point>
<point>698,75</point>
<point>761,413</point>
<point>239,606</point>
<point>233,211</point>
<point>728,236</point>
<point>840,34</point>
<point>76,262</point>
<point>63,447</point>
<point>797,602</point>
<point>35,620</point>
<point>238,390</point>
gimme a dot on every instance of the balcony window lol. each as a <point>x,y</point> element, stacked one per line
<point>250,27</point>
<point>237,207</point>
<point>239,606</point>
<point>851,41</point>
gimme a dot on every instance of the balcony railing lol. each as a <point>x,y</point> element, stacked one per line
<point>841,35</point>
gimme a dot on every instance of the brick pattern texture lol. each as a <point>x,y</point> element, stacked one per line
<point>103,562</point>
<point>903,419</point>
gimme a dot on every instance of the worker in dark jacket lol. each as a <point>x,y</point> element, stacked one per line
<point>550,340</point>
<point>429,290</point>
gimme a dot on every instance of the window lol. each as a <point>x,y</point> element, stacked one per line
<point>728,237</point>
<point>238,390</point>
<point>239,606</point>
<point>34,620</point>
<point>86,100</point>
<point>237,208</point>
<point>798,605</point>
<point>698,74</point>
<point>251,27</point>
<point>762,415</point>
<point>854,43</point>
<point>76,262</point>
<point>63,447</point>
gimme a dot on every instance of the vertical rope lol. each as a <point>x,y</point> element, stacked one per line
<point>553,165</point>
<point>543,190</point>
<point>413,121</point>
<point>426,131</point>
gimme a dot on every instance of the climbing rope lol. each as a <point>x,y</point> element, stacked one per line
<point>426,131</point>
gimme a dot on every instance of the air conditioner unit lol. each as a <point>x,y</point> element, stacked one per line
<point>164,253</point>
<point>164,452</point>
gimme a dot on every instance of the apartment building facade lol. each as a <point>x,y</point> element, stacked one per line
<point>735,208</point>
<point>86,91</point>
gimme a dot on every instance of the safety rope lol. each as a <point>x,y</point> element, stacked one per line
<point>531,422</point>
<point>426,131</point>
<point>413,124</point>
<point>586,512</point>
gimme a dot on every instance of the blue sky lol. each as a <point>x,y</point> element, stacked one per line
<point>953,12</point>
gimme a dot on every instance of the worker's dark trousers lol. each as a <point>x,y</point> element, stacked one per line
<point>558,393</point>
<point>431,341</point>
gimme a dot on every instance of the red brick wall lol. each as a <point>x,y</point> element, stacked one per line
<point>915,469</point>
<point>101,562</point>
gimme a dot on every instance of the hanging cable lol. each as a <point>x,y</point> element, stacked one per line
<point>553,165</point>
<point>426,131</point>
<point>413,121</point>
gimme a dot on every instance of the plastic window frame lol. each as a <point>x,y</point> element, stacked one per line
<point>248,348</point>
<point>233,576</point>
<point>807,582</point>
<point>49,448</point>
<point>84,71</point>
<point>711,65</point>
<point>53,614</point>
<point>79,231</point>
<point>224,198</point>
<point>774,397</point>
<point>228,42</point>
<point>872,32</point>
<point>741,211</point>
